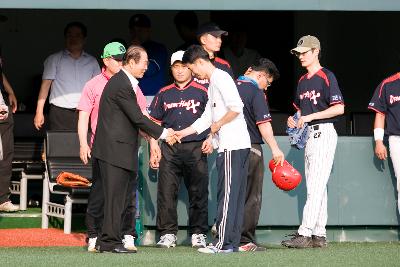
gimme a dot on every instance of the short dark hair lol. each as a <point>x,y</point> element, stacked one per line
<point>77,24</point>
<point>133,52</point>
<point>266,65</point>
<point>188,18</point>
<point>193,53</point>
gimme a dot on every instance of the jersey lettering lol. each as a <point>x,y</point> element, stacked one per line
<point>190,104</point>
<point>394,99</point>
<point>310,95</point>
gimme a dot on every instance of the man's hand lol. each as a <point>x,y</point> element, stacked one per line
<point>38,121</point>
<point>304,119</point>
<point>207,147</point>
<point>84,153</point>
<point>215,127</point>
<point>278,157</point>
<point>172,138</point>
<point>290,122</point>
<point>3,112</point>
<point>380,150</point>
<point>13,102</point>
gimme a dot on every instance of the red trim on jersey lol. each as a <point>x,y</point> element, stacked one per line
<point>223,62</point>
<point>264,121</point>
<point>377,111</point>
<point>198,86</point>
<point>336,103</point>
<point>302,77</point>
<point>388,80</point>
<point>296,107</point>
<point>167,87</point>
<point>154,119</point>
<point>322,74</point>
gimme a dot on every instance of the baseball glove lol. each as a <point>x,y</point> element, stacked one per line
<point>72,180</point>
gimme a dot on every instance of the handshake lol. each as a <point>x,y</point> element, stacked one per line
<point>173,137</point>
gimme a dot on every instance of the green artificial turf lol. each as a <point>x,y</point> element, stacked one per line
<point>337,254</point>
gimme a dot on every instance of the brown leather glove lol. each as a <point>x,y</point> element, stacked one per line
<point>72,180</point>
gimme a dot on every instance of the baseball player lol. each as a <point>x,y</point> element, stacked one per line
<point>210,38</point>
<point>251,85</point>
<point>224,113</point>
<point>177,106</point>
<point>319,102</point>
<point>385,102</point>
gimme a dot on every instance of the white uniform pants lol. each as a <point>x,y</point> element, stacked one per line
<point>318,160</point>
<point>394,147</point>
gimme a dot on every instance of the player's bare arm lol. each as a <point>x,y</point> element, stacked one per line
<point>227,118</point>
<point>268,135</point>
<point>83,123</point>
<point>380,148</point>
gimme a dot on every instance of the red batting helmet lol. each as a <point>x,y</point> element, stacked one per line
<point>285,177</point>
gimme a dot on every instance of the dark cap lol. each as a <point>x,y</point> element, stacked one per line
<point>139,20</point>
<point>210,28</point>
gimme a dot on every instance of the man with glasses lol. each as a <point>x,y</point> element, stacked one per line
<point>65,74</point>
<point>251,85</point>
<point>318,102</point>
<point>177,106</point>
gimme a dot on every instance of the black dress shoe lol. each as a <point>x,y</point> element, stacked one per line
<point>118,249</point>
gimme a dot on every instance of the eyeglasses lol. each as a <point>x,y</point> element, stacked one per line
<point>266,78</point>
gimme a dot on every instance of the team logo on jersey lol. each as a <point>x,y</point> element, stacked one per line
<point>394,99</point>
<point>203,81</point>
<point>189,105</point>
<point>310,95</point>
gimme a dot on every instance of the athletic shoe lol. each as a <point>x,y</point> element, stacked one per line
<point>298,241</point>
<point>319,241</point>
<point>214,231</point>
<point>199,241</point>
<point>8,207</point>
<point>211,249</point>
<point>92,244</point>
<point>167,241</point>
<point>129,242</point>
<point>251,247</point>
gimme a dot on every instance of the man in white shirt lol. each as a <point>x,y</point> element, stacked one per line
<point>224,113</point>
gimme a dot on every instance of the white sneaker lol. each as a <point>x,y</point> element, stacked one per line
<point>8,207</point>
<point>199,241</point>
<point>211,249</point>
<point>92,244</point>
<point>167,241</point>
<point>129,242</point>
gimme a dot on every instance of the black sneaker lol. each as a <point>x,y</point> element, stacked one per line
<point>319,241</point>
<point>298,241</point>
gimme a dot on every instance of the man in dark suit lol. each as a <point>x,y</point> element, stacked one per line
<point>115,149</point>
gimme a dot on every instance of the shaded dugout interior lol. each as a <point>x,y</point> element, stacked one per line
<point>361,48</point>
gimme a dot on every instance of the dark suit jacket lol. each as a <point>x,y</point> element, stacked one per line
<point>118,124</point>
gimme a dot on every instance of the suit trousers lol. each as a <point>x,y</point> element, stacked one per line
<point>7,139</point>
<point>95,207</point>
<point>118,185</point>
<point>252,206</point>
<point>185,161</point>
<point>62,119</point>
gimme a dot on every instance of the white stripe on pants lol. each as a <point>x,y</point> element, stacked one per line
<point>318,159</point>
<point>394,147</point>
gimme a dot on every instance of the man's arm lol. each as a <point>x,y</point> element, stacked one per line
<point>11,95</point>
<point>379,125</point>
<point>268,135</point>
<point>83,123</point>
<point>330,112</point>
<point>227,118</point>
<point>43,93</point>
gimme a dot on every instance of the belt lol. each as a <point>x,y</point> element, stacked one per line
<point>315,127</point>
<point>70,109</point>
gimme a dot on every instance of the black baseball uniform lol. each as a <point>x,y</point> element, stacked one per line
<point>178,108</point>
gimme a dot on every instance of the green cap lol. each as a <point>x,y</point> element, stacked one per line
<point>305,44</point>
<point>115,50</point>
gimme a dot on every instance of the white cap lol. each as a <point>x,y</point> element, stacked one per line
<point>177,56</point>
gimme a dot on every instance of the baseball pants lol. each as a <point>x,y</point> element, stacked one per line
<point>394,147</point>
<point>232,169</point>
<point>252,206</point>
<point>318,159</point>
<point>187,161</point>
<point>7,139</point>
